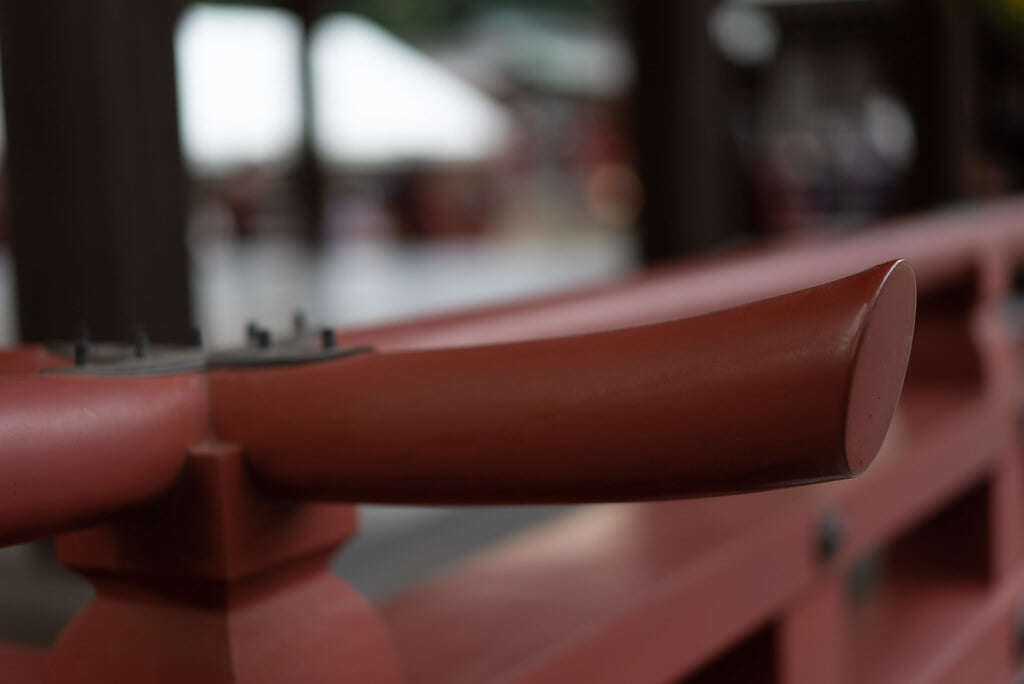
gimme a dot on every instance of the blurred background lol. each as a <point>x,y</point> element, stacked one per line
<point>172,165</point>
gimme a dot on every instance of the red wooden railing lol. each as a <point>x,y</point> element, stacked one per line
<point>211,482</point>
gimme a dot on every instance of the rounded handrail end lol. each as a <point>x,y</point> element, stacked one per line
<point>880,363</point>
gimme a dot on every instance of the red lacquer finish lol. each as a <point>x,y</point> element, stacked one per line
<point>791,390</point>
<point>29,358</point>
<point>77,449</point>
<point>203,574</point>
<point>210,560</point>
<point>22,665</point>
<point>219,583</point>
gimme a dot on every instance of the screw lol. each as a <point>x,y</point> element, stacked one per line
<point>141,343</point>
<point>197,337</point>
<point>263,338</point>
<point>299,321</point>
<point>327,340</point>
<point>252,332</point>
<point>831,530</point>
<point>81,345</point>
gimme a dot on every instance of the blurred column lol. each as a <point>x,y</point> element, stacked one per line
<point>97,187</point>
<point>934,58</point>
<point>679,127</point>
<point>309,177</point>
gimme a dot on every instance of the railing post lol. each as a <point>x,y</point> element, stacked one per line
<point>219,582</point>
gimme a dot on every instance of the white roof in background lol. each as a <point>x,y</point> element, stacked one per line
<point>378,100</point>
<point>239,88</point>
<point>577,57</point>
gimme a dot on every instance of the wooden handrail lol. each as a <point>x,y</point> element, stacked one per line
<point>227,564</point>
<point>795,389</point>
<point>75,450</point>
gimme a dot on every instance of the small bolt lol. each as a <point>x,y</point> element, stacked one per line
<point>252,332</point>
<point>299,321</point>
<point>141,344</point>
<point>197,337</point>
<point>327,340</point>
<point>831,530</point>
<point>263,338</point>
<point>81,345</point>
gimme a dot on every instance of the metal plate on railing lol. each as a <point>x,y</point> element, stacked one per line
<point>120,360</point>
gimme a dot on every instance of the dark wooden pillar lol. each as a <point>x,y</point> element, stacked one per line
<point>678,117</point>
<point>933,60</point>
<point>310,179</point>
<point>97,186</point>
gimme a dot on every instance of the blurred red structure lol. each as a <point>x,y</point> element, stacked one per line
<point>210,560</point>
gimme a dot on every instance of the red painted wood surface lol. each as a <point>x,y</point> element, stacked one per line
<point>220,582</point>
<point>22,664</point>
<point>30,358</point>
<point>214,579</point>
<point>639,591</point>
<point>78,449</point>
<point>923,622</point>
<point>919,582</point>
<point>593,599</point>
<point>795,389</point>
